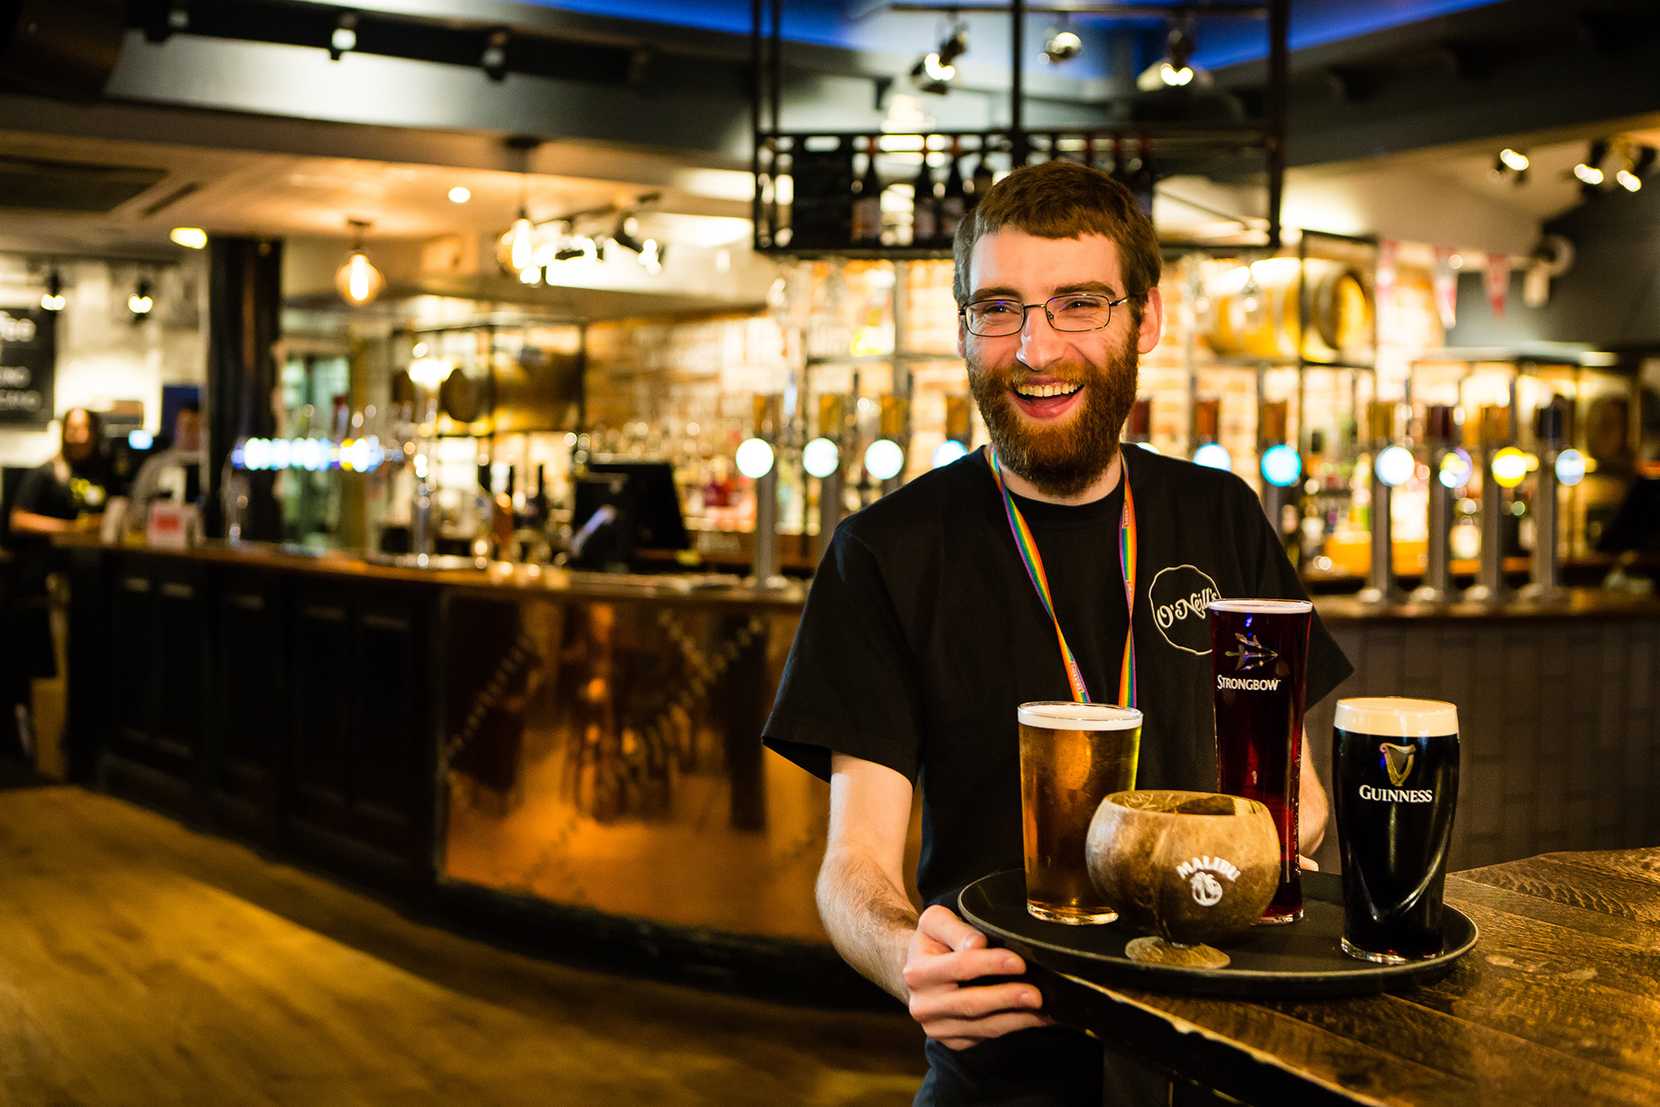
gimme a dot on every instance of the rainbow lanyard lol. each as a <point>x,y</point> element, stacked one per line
<point>1026,544</point>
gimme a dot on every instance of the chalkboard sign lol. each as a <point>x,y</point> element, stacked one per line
<point>27,359</point>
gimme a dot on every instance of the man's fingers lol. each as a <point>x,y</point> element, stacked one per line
<point>1308,863</point>
<point>953,968</point>
<point>941,924</point>
<point>973,1003</point>
<point>976,1030</point>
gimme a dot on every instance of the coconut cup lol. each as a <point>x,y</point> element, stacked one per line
<point>1193,870</point>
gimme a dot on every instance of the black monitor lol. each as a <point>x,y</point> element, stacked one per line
<point>644,512</point>
<point>656,522</point>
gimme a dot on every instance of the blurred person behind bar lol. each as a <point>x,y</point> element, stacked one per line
<point>174,473</point>
<point>924,630</point>
<point>65,494</point>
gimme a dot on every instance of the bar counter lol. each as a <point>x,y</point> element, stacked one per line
<point>562,753</point>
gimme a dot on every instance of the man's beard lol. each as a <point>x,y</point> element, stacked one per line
<point>1060,460</point>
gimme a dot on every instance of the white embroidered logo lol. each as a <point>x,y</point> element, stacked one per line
<point>1180,595</point>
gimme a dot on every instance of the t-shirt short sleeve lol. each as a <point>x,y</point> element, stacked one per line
<point>850,683</point>
<point>39,493</point>
<point>1274,577</point>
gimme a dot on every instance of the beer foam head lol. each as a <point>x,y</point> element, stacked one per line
<point>1064,715</point>
<point>1396,717</point>
<point>1263,607</point>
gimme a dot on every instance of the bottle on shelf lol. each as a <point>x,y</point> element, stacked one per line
<point>925,211</point>
<point>983,175</point>
<point>954,200</point>
<point>867,202</point>
<point>502,519</point>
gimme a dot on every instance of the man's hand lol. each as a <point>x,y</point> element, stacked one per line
<point>945,952</point>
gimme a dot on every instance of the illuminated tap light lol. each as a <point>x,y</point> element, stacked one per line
<point>1570,468</point>
<point>1456,469</point>
<point>884,458</point>
<point>755,457</point>
<point>947,452</point>
<point>1282,466</point>
<point>821,457</point>
<point>1213,455</point>
<point>1394,466</point>
<point>1509,467</point>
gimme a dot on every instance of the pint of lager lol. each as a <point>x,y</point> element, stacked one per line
<point>1072,756</point>
<point>1395,786</point>
<point>1259,659</point>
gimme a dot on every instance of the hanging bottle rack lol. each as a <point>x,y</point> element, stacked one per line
<point>869,193</point>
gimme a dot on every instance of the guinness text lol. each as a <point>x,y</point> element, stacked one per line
<point>1397,795</point>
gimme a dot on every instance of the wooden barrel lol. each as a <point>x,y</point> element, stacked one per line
<point>1254,312</point>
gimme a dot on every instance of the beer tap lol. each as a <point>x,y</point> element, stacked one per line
<point>885,457</point>
<point>1392,465</point>
<point>1282,471</point>
<point>822,458</point>
<point>1546,566</point>
<point>1490,585</point>
<point>758,460</point>
<point>959,431</point>
<point>1449,470</point>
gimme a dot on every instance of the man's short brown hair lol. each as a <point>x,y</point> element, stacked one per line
<point>1063,199</point>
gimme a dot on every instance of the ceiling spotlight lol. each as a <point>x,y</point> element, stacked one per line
<point>1514,160</point>
<point>651,256</point>
<point>343,39</point>
<point>1063,44</point>
<point>1176,68</point>
<point>494,59</point>
<point>142,301</point>
<point>1589,171</point>
<point>1630,176</point>
<point>460,194</point>
<point>357,278</point>
<point>625,232</point>
<point>53,299</point>
<point>935,70</point>
<point>191,238</point>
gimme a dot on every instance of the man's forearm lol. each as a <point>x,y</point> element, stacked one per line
<point>870,920</point>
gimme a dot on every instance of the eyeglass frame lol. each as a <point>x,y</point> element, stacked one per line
<point>962,313</point>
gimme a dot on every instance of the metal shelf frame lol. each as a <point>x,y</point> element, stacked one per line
<point>772,146</point>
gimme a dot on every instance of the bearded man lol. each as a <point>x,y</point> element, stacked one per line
<point>925,629</point>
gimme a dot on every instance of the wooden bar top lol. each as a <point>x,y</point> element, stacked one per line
<point>497,577</point>
<point>1559,1003</point>
<point>729,589</point>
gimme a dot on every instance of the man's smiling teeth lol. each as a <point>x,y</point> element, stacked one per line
<point>1040,391</point>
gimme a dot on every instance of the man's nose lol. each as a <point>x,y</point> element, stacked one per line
<point>1040,343</point>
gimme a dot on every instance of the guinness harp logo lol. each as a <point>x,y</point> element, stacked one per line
<point>1397,760</point>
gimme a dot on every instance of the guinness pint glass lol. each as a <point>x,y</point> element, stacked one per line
<point>1072,756</point>
<point>1395,786</point>
<point>1259,658</point>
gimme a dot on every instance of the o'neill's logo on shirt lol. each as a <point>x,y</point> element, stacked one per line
<point>1178,597</point>
<point>1397,762</point>
<point>1201,875</point>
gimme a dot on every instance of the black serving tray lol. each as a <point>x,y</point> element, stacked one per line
<point>1302,959</point>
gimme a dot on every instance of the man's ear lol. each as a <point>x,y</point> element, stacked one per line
<point>1152,321</point>
<point>962,337</point>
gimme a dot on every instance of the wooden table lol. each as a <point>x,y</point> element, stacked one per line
<point>1559,1003</point>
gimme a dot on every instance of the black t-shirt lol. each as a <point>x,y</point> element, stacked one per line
<point>922,633</point>
<point>42,493</point>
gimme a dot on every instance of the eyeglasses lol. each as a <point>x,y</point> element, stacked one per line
<point>1072,311</point>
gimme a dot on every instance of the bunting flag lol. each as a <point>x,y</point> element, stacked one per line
<point>1498,282</point>
<point>1446,287</point>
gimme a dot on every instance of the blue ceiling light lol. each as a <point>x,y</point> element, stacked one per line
<point>1225,41</point>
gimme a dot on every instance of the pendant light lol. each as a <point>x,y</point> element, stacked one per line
<point>357,278</point>
<point>518,246</point>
